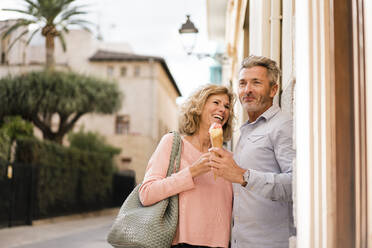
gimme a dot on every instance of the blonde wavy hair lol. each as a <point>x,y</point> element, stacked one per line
<point>191,110</point>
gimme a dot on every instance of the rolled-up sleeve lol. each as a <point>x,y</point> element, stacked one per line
<point>276,186</point>
<point>156,185</point>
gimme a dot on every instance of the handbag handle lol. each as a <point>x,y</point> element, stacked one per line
<point>175,153</point>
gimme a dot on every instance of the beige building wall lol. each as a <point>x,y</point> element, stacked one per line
<point>150,103</point>
<point>166,104</point>
<point>138,96</point>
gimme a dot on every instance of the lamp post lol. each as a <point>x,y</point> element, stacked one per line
<point>188,33</point>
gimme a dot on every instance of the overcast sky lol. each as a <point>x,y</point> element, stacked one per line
<point>151,28</point>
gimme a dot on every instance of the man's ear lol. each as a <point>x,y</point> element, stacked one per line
<point>273,90</point>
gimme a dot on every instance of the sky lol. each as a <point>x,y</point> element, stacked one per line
<point>150,28</point>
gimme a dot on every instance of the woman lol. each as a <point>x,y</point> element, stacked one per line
<point>204,202</point>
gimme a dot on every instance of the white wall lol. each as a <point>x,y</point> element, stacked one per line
<point>288,38</point>
<point>303,201</point>
<point>259,27</point>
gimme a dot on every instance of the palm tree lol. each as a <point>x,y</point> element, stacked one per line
<point>53,17</point>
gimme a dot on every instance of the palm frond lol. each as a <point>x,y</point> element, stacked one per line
<point>51,9</point>
<point>16,39</point>
<point>31,13</point>
<point>18,24</point>
<point>32,35</point>
<point>32,9</point>
<point>31,3</point>
<point>68,2</point>
<point>63,42</point>
<point>82,24</point>
<point>72,12</point>
<point>64,28</point>
<point>18,11</point>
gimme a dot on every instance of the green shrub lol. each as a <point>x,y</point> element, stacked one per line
<point>4,145</point>
<point>12,128</point>
<point>68,179</point>
<point>90,141</point>
<point>16,127</point>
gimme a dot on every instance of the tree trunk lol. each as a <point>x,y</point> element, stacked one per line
<point>49,32</point>
<point>49,46</point>
<point>55,137</point>
<point>58,139</point>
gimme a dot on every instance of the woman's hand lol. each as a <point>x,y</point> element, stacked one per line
<point>200,166</point>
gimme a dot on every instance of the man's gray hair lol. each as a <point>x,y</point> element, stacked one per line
<point>273,71</point>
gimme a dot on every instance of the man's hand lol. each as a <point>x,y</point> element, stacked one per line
<point>225,166</point>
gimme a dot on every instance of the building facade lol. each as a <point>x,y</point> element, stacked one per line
<point>324,50</point>
<point>149,108</point>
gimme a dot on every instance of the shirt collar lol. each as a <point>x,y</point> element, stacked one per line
<point>269,113</point>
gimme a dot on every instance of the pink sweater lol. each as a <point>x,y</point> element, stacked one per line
<point>204,203</point>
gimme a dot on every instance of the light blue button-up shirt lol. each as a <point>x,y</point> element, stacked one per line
<point>262,212</point>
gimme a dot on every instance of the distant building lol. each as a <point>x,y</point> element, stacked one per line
<point>149,108</point>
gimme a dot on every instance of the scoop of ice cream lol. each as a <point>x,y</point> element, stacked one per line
<point>215,130</point>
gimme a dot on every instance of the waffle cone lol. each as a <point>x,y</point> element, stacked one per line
<point>217,141</point>
<point>216,136</point>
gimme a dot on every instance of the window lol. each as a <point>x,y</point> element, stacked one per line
<point>124,166</point>
<point>110,71</point>
<point>137,70</point>
<point>215,74</point>
<point>125,161</point>
<point>122,124</point>
<point>123,71</point>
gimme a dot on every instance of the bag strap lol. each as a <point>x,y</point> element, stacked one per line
<point>175,153</point>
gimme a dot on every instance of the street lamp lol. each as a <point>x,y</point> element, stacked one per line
<point>188,33</point>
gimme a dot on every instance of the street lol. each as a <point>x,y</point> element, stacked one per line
<point>74,232</point>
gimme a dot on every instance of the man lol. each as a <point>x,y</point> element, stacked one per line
<point>261,166</point>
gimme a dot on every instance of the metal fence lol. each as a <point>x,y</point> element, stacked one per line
<point>19,197</point>
<point>17,189</point>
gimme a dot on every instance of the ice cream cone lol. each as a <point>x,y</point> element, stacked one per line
<point>216,136</point>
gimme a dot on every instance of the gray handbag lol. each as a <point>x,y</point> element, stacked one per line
<point>137,226</point>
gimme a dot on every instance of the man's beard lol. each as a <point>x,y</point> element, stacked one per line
<point>259,104</point>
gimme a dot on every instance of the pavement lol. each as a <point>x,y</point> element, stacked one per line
<point>66,231</point>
